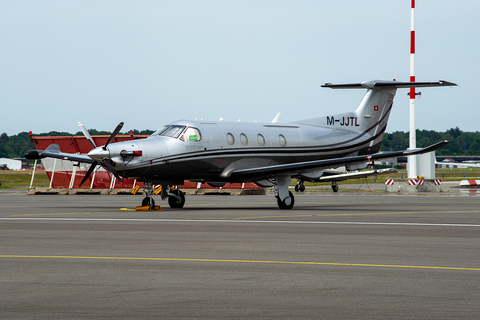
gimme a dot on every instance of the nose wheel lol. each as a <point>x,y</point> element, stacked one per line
<point>148,201</point>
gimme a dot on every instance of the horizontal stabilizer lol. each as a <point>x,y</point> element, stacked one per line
<point>53,151</point>
<point>380,84</point>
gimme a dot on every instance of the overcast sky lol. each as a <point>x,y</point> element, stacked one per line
<point>148,63</point>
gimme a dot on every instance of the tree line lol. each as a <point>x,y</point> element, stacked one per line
<point>461,143</point>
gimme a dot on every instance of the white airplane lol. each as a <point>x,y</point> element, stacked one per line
<point>464,164</point>
<point>269,154</point>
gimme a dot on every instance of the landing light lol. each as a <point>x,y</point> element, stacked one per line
<point>136,153</point>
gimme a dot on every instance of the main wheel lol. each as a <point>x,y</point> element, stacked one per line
<point>287,203</point>
<point>335,188</point>
<point>175,203</point>
<point>146,202</point>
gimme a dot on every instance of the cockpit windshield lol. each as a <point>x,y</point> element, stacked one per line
<point>176,131</point>
<point>173,131</point>
<point>159,131</point>
<point>170,131</point>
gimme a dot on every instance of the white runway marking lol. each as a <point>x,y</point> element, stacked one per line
<point>250,221</point>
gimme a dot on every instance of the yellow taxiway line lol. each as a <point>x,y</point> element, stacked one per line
<point>243,261</point>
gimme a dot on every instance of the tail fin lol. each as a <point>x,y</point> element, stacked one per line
<point>371,116</point>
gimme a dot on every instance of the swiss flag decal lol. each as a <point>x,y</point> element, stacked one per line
<point>375,108</point>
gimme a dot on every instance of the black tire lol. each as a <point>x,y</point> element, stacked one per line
<point>335,188</point>
<point>174,203</point>
<point>146,202</point>
<point>283,205</point>
<point>302,188</point>
<point>297,187</point>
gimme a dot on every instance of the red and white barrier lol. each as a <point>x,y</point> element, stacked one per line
<point>438,182</point>
<point>415,182</point>
<point>470,183</point>
<point>389,182</point>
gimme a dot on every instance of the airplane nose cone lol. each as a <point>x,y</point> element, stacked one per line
<point>99,154</point>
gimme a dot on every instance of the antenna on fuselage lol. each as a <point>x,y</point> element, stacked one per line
<point>275,120</point>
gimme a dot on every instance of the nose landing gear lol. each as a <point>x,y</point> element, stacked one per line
<point>148,203</point>
<point>176,198</point>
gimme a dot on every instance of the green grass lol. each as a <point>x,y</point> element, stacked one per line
<point>13,178</point>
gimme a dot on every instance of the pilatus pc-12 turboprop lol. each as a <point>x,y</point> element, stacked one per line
<point>269,154</point>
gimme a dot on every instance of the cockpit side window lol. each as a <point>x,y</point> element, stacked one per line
<point>191,134</point>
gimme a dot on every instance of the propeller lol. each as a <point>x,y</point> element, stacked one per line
<point>87,134</point>
<point>89,172</point>
<point>114,133</point>
<point>106,161</point>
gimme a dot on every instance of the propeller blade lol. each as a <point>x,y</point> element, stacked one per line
<point>86,134</point>
<point>89,172</point>
<point>112,170</point>
<point>114,133</point>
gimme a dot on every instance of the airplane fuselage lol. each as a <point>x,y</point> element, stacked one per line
<point>218,147</point>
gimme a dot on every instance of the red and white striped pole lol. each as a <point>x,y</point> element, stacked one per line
<point>412,160</point>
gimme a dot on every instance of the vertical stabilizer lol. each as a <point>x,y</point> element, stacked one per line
<point>370,118</point>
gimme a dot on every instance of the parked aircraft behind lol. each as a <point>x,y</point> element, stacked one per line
<point>269,154</point>
<point>458,164</point>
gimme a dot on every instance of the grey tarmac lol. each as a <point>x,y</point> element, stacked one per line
<point>334,256</point>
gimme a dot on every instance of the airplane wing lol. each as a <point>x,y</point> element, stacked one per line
<point>293,168</point>
<point>53,151</point>
<point>354,175</point>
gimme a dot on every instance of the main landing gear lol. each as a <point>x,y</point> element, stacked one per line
<point>334,186</point>
<point>176,198</point>
<point>285,198</point>
<point>299,186</point>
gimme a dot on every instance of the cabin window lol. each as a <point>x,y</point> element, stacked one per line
<point>191,134</point>
<point>282,140</point>
<point>243,139</point>
<point>230,139</point>
<point>261,140</point>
